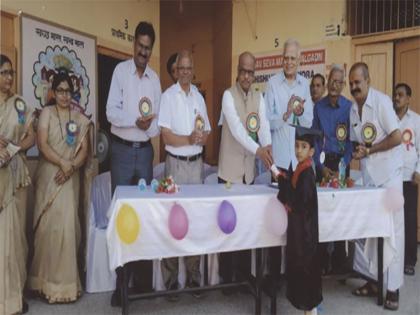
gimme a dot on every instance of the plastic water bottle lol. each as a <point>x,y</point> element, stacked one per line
<point>342,172</point>
<point>142,184</point>
<point>154,184</point>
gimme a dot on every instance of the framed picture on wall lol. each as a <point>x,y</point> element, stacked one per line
<point>47,49</point>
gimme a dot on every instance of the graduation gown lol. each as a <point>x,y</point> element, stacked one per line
<point>303,268</point>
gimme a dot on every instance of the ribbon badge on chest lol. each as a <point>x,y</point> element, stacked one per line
<point>20,107</point>
<point>253,125</point>
<point>408,138</point>
<point>71,132</point>
<point>341,135</point>
<point>145,106</point>
<point>369,134</point>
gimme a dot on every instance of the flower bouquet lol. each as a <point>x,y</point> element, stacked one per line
<point>167,185</point>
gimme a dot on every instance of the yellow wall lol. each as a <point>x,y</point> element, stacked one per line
<point>95,17</point>
<point>256,24</point>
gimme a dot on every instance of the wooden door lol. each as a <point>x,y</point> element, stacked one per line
<point>379,58</point>
<point>407,65</point>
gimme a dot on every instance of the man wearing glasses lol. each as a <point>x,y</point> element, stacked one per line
<point>132,108</point>
<point>185,128</point>
<point>288,101</point>
<point>245,135</point>
<point>332,117</point>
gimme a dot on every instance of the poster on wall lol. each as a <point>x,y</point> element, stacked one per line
<point>312,61</point>
<point>48,49</point>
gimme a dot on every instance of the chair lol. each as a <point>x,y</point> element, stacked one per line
<point>263,178</point>
<point>159,171</point>
<point>99,278</point>
<point>208,169</point>
<point>211,179</point>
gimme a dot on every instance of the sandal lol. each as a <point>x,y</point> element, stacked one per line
<point>392,300</point>
<point>409,270</point>
<point>368,290</point>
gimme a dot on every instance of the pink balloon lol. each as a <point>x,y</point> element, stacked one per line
<point>178,222</point>
<point>394,199</point>
<point>276,217</point>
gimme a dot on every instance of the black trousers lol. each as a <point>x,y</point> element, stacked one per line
<point>410,221</point>
<point>234,263</point>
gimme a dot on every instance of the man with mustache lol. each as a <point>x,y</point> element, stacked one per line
<point>288,101</point>
<point>132,108</point>
<point>375,127</point>
<point>410,129</point>
<point>331,116</point>
<point>317,87</point>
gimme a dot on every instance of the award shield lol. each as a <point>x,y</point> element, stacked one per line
<point>253,125</point>
<point>369,134</point>
<point>341,135</point>
<point>199,123</point>
<point>296,107</point>
<point>145,106</point>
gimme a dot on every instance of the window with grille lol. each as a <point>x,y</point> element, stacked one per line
<point>374,16</point>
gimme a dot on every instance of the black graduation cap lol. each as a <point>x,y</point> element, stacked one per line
<point>307,134</point>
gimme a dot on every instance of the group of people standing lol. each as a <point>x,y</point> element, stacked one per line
<point>62,136</point>
<point>253,126</point>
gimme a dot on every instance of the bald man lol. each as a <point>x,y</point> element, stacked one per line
<point>245,135</point>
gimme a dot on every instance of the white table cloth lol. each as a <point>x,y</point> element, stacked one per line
<point>344,214</point>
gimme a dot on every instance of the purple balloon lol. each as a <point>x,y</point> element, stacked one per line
<point>276,217</point>
<point>178,222</point>
<point>226,217</point>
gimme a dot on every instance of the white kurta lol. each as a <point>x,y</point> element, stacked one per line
<point>383,169</point>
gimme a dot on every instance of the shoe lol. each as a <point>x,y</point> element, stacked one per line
<point>366,290</point>
<point>173,297</point>
<point>25,307</point>
<point>116,298</point>
<point>392,300</point>
<point>409,270</point>
<point>196,294</point>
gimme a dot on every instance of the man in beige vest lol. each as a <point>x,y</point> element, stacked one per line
<point>245,134</point>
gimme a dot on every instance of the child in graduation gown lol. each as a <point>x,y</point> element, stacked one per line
<point>297,191</point>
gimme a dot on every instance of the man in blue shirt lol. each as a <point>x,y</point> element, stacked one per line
<point>332,117</point>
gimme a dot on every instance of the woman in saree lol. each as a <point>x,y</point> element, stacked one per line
<point>63,142</point>
<point>16,136</point>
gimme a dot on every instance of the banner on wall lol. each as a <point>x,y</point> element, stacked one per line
<point>48,49</point>
<point>270,63</point>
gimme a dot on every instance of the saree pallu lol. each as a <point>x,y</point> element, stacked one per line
<point>54,271</point>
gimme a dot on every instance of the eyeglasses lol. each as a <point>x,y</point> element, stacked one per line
<point>337,82</point>
<point>5,73</point>
<point>63,92</point>
<point>184,69</point>
<point>244,72</point>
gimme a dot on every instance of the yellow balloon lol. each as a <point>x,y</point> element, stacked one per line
<point>128,224</point>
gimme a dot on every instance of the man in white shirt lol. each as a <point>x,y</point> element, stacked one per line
<point>410,129</point>
<point>287,95</point>
<point>288,101</point>
<point>185,128</point>
<point>132,108</point>
<point>245,135</point>
<point>374,126</point>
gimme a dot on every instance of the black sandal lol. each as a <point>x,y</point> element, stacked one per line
<point>409,270</point>
<point>368,290</point>
<point>392,300</point>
